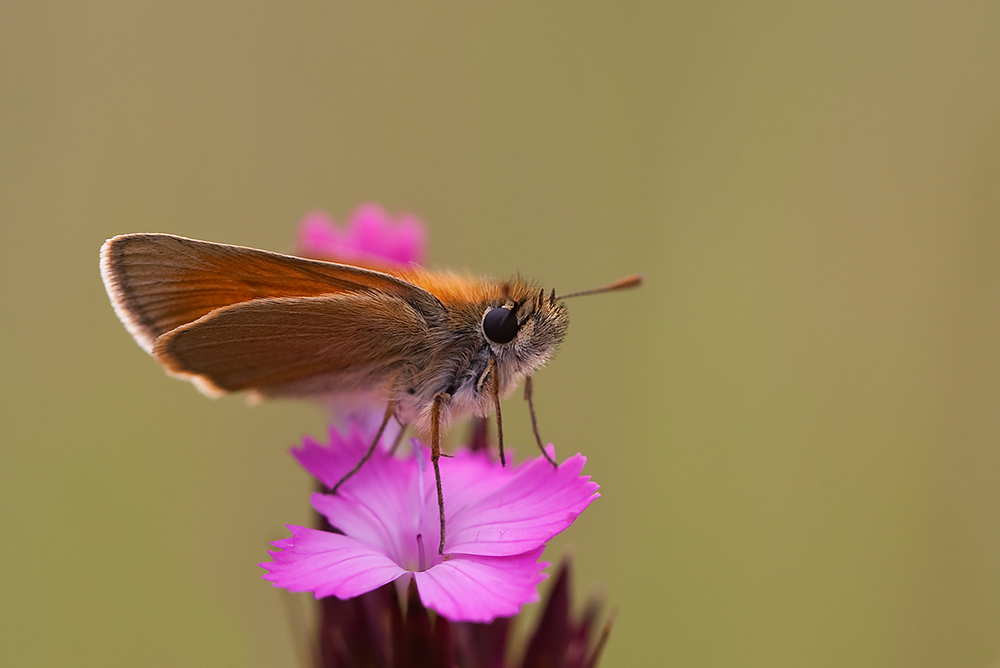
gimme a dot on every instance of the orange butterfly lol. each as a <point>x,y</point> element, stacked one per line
<point>432,345</point>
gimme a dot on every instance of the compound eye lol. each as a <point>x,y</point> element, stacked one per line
<point>500,325</point>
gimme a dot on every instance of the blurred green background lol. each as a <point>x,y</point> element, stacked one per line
<point>795,421</point>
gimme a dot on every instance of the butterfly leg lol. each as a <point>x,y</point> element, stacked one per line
<point>494,376</point>
<point>389,410</point>
<point>441,398</point>
<point>404,378</point>
<point>528,391</point>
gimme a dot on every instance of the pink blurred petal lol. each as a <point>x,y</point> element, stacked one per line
<point>370,235</point>
<point>328,564</point>
<point>480,589</point>
<point>317,233</point>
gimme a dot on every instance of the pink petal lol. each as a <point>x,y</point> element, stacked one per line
<point>371,231</point>
<point>388,522</point>
<point>536,503</point>
<point>328,564</point>
<point>480,589</point>
<point>380,505</point>
<point>317,234</point>
<point>370,235</point>
<point>469,476</point>
<point>330,463</point>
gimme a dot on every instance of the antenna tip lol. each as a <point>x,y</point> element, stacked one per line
<point>633,281</point>
<point>622,283</point>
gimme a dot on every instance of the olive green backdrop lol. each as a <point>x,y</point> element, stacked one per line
<point>795,421</point>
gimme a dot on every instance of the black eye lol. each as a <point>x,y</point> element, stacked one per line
<point>500,325</point>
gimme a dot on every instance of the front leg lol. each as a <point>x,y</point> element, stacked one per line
<point>439,399</point>
<point>492,376</point>
<point>534,421</point>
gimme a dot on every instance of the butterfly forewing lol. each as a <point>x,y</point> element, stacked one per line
<point>158,282</point>
<point>304,345</point>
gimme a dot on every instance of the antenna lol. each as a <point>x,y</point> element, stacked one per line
<point>622,283</point>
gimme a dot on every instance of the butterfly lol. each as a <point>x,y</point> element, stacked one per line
<point>433,346</point>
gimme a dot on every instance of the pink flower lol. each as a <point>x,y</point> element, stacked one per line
<point>498,520</point>
<point>370,236</point>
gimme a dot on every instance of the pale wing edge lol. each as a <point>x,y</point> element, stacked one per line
<point>142,334</point>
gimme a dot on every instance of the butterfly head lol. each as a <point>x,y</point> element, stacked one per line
<point>522,328</point>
